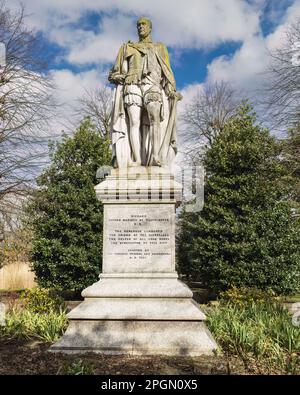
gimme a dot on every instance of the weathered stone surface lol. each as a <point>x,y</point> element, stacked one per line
<point>172,309</point>
<point>139,185</point>
<point>133,287</point>
<point>138,307</point>
<point>139,238</point>
<point>137,338</point>
<point>145,86</point>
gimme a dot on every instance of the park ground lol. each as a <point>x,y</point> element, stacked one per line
<point>22,356</point>
<point>32,358</point>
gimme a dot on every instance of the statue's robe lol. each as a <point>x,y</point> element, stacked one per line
<point>137,52</point>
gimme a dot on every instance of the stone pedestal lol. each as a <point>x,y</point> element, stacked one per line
<point>138,307</point>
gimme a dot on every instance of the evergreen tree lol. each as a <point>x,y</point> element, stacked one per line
<point>291,151</point>
<point>66,217</point>
<point>245,235</point>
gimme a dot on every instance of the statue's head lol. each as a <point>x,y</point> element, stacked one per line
<point>144,27</point>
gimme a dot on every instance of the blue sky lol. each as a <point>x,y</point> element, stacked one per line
<point>189,65</point>
<point>208,40</point>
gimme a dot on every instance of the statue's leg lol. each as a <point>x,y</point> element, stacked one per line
<point>134,115</point>
<point>154,108</point>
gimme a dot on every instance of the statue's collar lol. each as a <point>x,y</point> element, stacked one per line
<point>145,40</point>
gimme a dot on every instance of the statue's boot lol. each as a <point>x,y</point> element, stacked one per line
<point>156,162</point>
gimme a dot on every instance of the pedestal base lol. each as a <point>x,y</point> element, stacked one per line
<point>137,316</point>
<point>176,338</point>
<point>139,306</point>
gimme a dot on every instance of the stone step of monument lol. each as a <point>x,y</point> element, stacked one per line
<point>176,338</point>
<point>177,309</point>
<point>138,288</point>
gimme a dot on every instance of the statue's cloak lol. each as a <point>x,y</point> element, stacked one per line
<point>120,123</point>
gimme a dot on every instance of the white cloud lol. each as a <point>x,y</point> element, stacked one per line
<point>88,47</point>
<point>179,24</point>
<point>188,93</point>
<point>70,87</point>
<point>192,24</point>
<point>276,38</point>
<point>245,68</point>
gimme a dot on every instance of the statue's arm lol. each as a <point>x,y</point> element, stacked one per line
<point>115,75</point>
<point>170,88</point>
<point>171,92</point>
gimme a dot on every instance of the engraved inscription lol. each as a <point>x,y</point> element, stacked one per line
<point>137,237</point>
<point>134,233</point>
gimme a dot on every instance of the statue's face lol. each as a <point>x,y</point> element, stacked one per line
<point>143,28</point>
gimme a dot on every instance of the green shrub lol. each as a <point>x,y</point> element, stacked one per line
<point>41,300</point>
<point>244,295</point>
<point>77,368</point>
<point>25,324</point>
<point>245,235</point>
<point>258,331</point>
<point>65,215</point>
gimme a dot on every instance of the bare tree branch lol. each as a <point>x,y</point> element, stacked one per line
<point>206,116</point>
<point>282,88</point>
<point>97,104</point>
<point>26,106</point>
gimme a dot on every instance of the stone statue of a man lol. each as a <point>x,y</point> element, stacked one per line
<point>144,110</point>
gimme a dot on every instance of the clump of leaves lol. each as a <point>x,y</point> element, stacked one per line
<point>78,367</point>
<point>244,295</point>
<point>41,301</point>
<point>258,331</point>
<point>26,324</point>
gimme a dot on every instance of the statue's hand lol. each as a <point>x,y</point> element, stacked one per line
<point>116,78</point>
<point>131,79</point>
<point>175,95</point>
<point>179,96</point>
<point>172,94</point>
